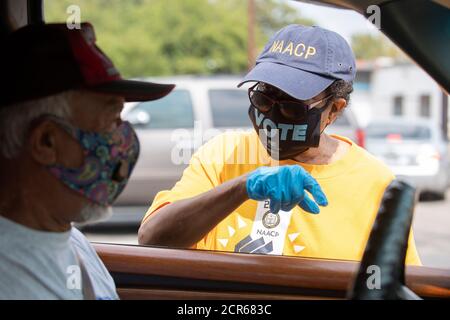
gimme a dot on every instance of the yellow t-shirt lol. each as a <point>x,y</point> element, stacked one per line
<point>354,186</point>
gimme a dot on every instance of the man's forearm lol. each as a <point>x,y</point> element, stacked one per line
<point>185,222</point>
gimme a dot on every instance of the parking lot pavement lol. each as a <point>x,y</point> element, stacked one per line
<point>121,228</point>
<point>431,230</point>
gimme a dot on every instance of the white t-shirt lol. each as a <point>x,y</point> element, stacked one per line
<point>43,265</point>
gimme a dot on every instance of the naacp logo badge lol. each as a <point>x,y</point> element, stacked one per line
<point>270,220</point>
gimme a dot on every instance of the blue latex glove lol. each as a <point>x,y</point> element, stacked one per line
<point>285,188</point>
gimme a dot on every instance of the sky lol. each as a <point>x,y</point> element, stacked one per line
<point>344,22</point>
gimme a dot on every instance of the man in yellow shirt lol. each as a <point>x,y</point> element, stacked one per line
<point>245,191</point>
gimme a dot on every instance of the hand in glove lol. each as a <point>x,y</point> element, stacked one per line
<point>285,188</point>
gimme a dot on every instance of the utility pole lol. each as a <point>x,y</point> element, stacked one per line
<point>251,45</point>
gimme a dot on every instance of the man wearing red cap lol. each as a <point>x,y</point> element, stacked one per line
<point>65,156</point>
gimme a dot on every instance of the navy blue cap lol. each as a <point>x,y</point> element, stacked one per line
<point>303,61</point>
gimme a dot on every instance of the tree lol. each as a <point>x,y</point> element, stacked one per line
<point>367,47</point>
<point>166,37</point>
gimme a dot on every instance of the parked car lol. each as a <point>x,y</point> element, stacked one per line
<point>415,150</point>
<point>347,125</point>
<point>200,108</point>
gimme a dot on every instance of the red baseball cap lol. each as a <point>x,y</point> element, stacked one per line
<point>45,59</point>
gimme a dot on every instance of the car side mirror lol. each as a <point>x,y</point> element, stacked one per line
<point>139,118</point>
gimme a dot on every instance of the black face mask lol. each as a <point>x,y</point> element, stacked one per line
<point>292,137</point>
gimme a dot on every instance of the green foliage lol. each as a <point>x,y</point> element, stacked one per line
<point>166,37</point>
<point>367,47</point>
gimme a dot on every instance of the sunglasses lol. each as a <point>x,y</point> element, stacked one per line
<point>290,109</point>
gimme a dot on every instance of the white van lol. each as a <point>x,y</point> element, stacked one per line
<point>198,109</point>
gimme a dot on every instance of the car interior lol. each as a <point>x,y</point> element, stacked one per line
<point>163,273</point>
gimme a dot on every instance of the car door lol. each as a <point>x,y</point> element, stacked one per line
<point>161,273</point>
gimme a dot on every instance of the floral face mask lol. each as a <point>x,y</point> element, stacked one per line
<point>109,159</point>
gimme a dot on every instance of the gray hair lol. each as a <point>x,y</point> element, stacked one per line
<point>341,89</point>
<point>16,119</point>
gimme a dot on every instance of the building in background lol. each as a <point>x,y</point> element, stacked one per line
<point>385,88</point>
